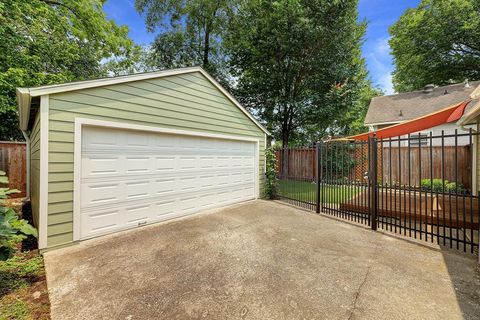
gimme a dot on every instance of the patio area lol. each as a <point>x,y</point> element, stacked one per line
<point>260,260</point>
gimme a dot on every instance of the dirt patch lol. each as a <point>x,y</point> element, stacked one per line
<point>23,287</point>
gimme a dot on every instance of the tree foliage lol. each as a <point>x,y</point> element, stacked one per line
<point>297,63</point>
<point>190,31</point>
<point>51,41</point>
<point>352,119</point>
<point>437,42</point>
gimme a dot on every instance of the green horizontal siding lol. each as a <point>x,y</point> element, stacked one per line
<point>185,102</point>
<point>35,168</point>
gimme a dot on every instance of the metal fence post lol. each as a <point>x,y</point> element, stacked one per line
<point>373,183</point>
<point>319,168</point>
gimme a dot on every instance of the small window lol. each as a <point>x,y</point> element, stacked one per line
<point>415,141</point>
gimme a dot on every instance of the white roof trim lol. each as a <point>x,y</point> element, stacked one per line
<point>476,93</point>
<point>25,95</point>
<point>471,116</point>
<point>382,123</point>
<point>474,112</point>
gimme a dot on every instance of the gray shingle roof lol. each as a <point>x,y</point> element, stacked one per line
<point>411,105</point>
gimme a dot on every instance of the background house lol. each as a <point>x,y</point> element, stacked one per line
<point>389,110</point>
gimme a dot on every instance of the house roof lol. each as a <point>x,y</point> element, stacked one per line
<point>25,95</point>
<point>400,107</point>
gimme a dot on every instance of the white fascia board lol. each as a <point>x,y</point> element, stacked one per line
<point>28,93</point>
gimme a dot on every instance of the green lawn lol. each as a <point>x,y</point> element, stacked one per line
<point>305,191</point>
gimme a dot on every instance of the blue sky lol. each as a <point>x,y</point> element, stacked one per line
<point>379,13</point>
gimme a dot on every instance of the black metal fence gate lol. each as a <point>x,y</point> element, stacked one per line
<point>420,186</point>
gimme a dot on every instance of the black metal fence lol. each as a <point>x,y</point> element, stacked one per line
<point>418,186</point>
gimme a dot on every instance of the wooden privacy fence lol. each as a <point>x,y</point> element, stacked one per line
<point>393,164</point>
<point>297,162</point>
<point>425,163</point>
<point>13,160</point>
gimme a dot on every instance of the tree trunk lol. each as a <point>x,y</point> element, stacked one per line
<point>206,47</point>
<point>285,152</point>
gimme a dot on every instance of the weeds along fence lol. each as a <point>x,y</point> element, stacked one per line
<point>13,161</point>
<point>424,187</point>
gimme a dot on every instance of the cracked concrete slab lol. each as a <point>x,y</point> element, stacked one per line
<point>260,260</point>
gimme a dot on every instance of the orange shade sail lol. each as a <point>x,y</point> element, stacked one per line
<point>446,115</point>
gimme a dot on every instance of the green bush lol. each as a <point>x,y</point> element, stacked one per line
<point>454,187</point>
<point>12,229</point>
<point>439,185</point>
<point>271,183</point>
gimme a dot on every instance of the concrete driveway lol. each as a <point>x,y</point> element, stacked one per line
<point>260,260</point>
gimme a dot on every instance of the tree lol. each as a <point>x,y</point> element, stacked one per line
<point>297,63</point>
<point>191,31</point>
<point>50,41</point>
<point>351,121</point>
<point>437,42</point>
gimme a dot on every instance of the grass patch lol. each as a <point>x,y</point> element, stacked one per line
<point>306,191</point>
<point>23,289</point>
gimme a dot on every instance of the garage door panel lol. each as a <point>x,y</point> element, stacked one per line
<point>137,164</point>
<point>164,208</point>
<point>136,215</point>
<point>187,163</point>
<point>94,194</point>
<point>101,222</point>
<point>207,181</point>
<point>138,189</point>
<point>100,166</point>
<point>206,200</point>
<point>136,139</point>
<point>132,178</point>
<point>164,186</point>
<point>163,164</point>
<point>100,138</point>
<point>206,162</point>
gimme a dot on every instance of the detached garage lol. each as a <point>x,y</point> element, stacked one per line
<point>118,153</point>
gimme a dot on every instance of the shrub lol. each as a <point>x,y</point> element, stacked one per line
<point>454,187</point>
<point>12,229</point>
<point>439,185</point>
<point>271,183</point>
<point>435,185</point>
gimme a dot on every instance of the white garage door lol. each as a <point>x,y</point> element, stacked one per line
<point>131,178</point>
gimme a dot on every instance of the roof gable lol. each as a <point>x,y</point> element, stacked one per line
<point>25,95</point>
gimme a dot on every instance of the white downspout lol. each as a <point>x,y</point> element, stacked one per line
<point>27,139</point>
